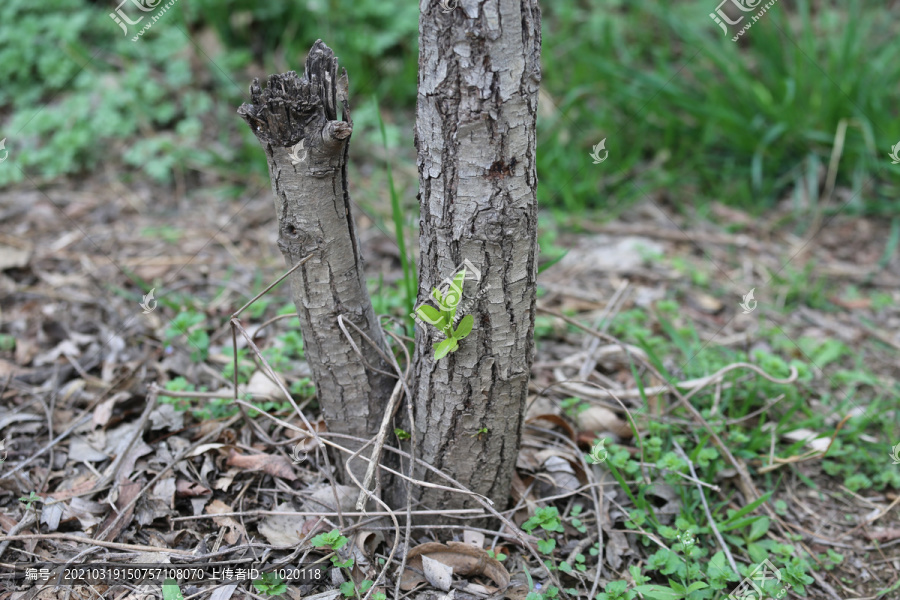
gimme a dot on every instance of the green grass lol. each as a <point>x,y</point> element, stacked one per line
<point>733,122</point>
<point>834,378</point>
<point>745,123</point>
<point>692,565</point>
<point>410,279</point>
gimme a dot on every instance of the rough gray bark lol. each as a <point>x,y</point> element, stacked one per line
<point>314,217</point>
<point>479,73</point>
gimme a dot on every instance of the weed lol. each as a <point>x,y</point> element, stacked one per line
<point>498,555</point>
<point>30,499</point>
<point>171,591</point>
<point>572,407</point>
<point>270,584</point>
<point>333,540</point>
<point>187,323</point>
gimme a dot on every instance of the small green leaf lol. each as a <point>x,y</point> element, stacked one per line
<point>697,585</point>
<point>170,590</point>
<point>444,348</point>
<point>551,262</point>
<point>342,564</point>
<point>749,508</point>
<point>658,592</point>
<point>270,584</point>
<point>347,589</point>
<point>758,552</point>
<point>546,546</point>
<point>465,327</point>
<point>430,315</point>
<point>333,539</point>
<point>759,528</point>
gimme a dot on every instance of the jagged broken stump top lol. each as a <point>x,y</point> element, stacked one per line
<point>291,107</point>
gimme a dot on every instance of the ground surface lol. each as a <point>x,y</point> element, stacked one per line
<point>151,486</point>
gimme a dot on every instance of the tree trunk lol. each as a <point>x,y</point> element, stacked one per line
<point>479,73</point>
<point>309,181</point>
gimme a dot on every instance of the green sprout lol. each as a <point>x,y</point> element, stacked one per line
<point>30,499</point>
<point>171,591</point>
<point>270,584</point>
<point>349,589</point>
<point>333,540</point>
<point>497,555</point>
<point>547,518</point>
<point>444,317</point>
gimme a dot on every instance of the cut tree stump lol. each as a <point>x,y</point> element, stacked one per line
<point>296,122</point>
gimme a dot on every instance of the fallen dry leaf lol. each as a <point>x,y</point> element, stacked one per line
<point>235,529</point>
<point>183,487</point>
<point>598,419</point>
<point>560,469</point>
<point>809,438</point>
<point>473,538</point>
<point>126,492</point>
<point>283,531</point>
<point>103,412</point>
<point>275,465</point>
<point>202,448</point>
<point>261,385</point>
<point>322,499</point>
<point>462,558</point>
<point>437,573</point>
<point>14,258</point>
<point>166,417</point>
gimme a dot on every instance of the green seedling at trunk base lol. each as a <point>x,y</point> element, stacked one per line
<point>444,316</point>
